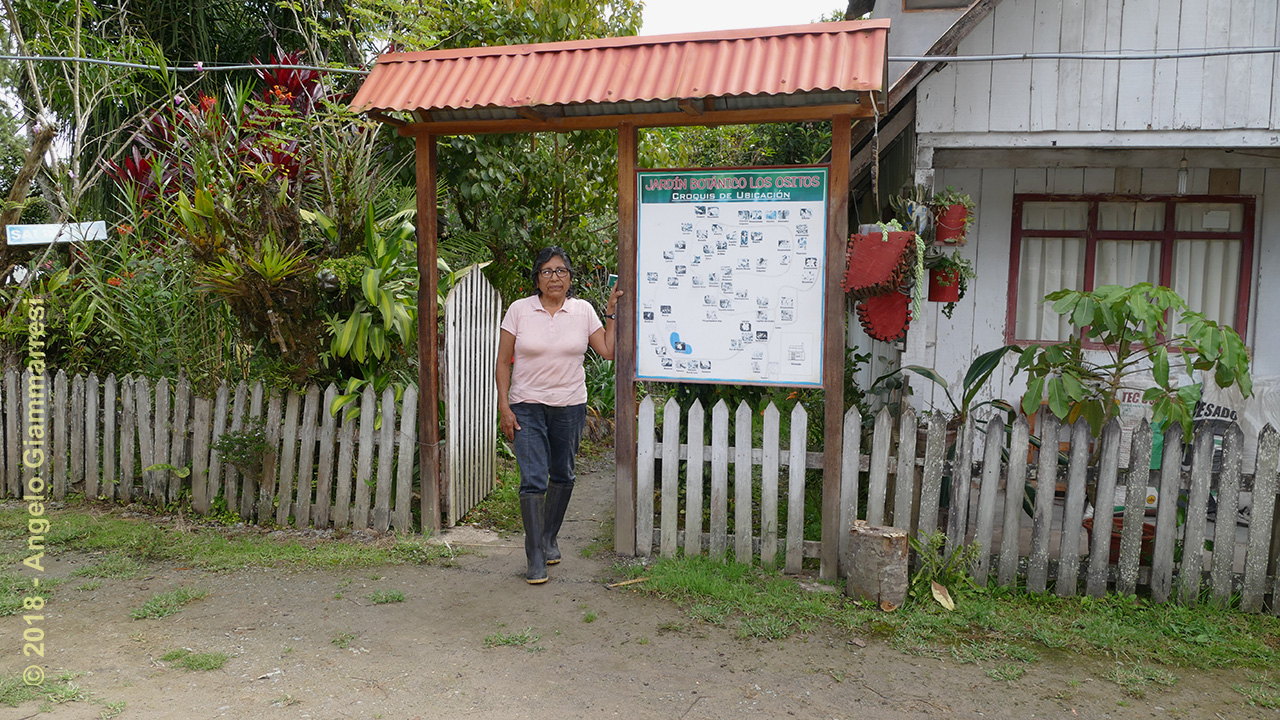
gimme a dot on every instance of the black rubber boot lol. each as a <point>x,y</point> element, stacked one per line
<point>532,511</point>
<point>557,503</point>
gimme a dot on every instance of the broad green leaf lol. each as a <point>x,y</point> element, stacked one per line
<point>1059,402</point>
<point>1160,366</point>
<point>370,285</point>
<point>1035,393</point>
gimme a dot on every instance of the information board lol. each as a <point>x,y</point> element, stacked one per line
<point>731,272</point>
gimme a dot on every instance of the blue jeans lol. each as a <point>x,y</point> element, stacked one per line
<point>546,443</point>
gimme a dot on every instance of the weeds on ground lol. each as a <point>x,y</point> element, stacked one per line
<point>1263,692</point>
<point>133,541</point>
<point>343,640</point>
<point>522,639</point>
<point>116,566</point>
<point>1135,678</point>
<point>184,658</point>
<point>992,627</point>
<point>14,691</point>
<point>500,510</point>
<point>14,588</point>
<point>165,604</point>
<point>382,597</point>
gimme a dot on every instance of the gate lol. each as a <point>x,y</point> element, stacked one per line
<point>471,396</point>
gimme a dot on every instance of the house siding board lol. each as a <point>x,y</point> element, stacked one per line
<point>1044,82</point>
<point>1239,80</point>
<point>1164,81</point>
<point>973,89</point>
<point>1070,72</point>
<point>1192,32</point>
<point>1110,72</point>
<point>1134,105</point>
<point>1213,111</point>
<point>1011,90</point>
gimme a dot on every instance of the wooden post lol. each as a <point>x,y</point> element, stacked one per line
<point>624,438</point>
<point>834,342</point>
<point>428,352</point>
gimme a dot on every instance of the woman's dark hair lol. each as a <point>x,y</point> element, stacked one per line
<point>542,258</point>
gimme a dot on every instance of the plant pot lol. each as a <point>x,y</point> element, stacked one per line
<point>1147,549</point>
<point>944,285</point>
<point>949,224</point>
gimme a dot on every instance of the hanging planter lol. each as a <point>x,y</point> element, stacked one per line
<point>952,216</point>
<point>944,285</point>
<point>876,263</point>
<point>885,317</point>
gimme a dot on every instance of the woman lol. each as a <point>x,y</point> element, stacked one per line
<point>542,396</point>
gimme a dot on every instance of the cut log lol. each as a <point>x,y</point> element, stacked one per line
<point>877,564</point>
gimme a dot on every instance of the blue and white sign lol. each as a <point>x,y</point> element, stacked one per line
<point>50,233</point>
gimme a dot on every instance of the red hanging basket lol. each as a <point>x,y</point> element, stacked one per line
<point>875,264</point>
<point>944,285</point>
<point>885,317</point>
<point>949,224</point>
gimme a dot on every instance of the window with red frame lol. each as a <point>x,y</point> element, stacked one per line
<point>1201,246</point>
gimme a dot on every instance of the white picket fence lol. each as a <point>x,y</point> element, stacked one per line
<point>903,489</point>
<point>123,439</point>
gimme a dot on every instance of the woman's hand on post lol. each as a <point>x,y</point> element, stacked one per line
<point>507,422</point>
<point>611,305</point>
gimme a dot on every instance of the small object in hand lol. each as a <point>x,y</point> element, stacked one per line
<point>613,280</point>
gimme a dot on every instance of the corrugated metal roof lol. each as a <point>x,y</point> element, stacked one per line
<point>822,63</point>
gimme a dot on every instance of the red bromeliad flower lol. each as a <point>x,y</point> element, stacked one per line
<point>293,87</point>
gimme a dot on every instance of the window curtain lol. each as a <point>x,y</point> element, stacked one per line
<point>1048,264</point>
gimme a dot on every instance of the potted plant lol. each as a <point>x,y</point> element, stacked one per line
<point>952,216</point>
<point>949,276</point>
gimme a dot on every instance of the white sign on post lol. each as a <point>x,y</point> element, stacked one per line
<point>731,276</point>
<point>49,233</point>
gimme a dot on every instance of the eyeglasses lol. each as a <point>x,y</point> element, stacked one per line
<point>558,272</point>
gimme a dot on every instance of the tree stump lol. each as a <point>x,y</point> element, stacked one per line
<point>877,563</point>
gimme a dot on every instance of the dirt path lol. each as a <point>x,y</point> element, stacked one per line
<point>426,657</point>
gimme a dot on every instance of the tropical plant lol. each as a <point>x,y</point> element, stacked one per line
<point>1135,327</point>
<point>975,378</point>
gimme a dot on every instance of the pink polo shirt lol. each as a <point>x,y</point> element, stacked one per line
<point>549,351</point>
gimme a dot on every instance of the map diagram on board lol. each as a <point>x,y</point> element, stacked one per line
<point>731,267</point>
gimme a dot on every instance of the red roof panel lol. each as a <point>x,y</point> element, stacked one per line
<point>840,57</point>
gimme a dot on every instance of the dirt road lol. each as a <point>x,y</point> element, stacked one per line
<point>313,645</point>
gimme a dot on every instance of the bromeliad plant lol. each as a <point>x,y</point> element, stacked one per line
<point>1134,326</point>
<point>384,321</point>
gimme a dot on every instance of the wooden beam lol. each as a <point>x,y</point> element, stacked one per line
<point>624,392</point>
<point>691,107</point>
<point>388,119</point>
<point>833,343</point>
<point>428,350</point>
<point>529,113</point>
<point>672,119</point>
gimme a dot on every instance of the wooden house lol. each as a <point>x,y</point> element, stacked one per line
<point>1104,142</point>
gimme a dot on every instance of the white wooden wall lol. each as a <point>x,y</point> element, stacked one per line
<point>1204,94</point>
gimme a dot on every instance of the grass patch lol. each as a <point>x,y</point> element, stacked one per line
<point>993,628</point>
<point>589,616</point>
<point>500,511</point>
<point>522,639</point>
<point>1135,678</point>
<point>133,541</point>
<point>184,658</point>
<point>14,691</point>
<point>165,604</point>
<point>343,640</point>
<point>381,597</point>
<point>1263,692</point>
<point>15,587</point>
<point>116,566</point>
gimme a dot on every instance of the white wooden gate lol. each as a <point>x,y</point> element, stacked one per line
<point>471,396</point>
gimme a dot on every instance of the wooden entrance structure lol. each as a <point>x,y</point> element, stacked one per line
<point>833,72</point>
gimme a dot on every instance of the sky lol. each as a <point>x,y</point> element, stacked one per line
<point>662,17</point>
